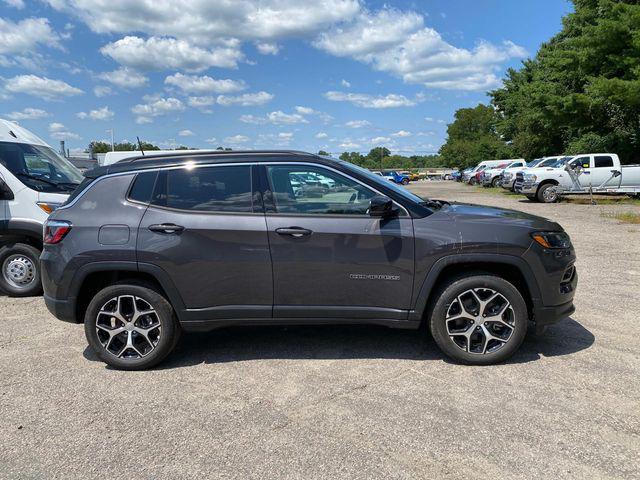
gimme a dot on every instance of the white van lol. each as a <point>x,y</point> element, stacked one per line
<point>34,180</point>
<point>113,157</point>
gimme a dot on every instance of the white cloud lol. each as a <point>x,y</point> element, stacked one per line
<point>379,140</point>
<point>124,78</point>
<point>212,140</point>
<point>41,87</point>
<point>19,4</point>
<point>401,133</point>
<point>155,107</point>
<point>321,135</point>
<point>349,144</point>
<point>186,133</point>
<point>28,114</point>
<point>266,48</point>
<point>143,120</point>
<point>277,118</point>
<point>206,22</point>
<point>245,100</point>
<point>306,110</point>
<point>161,53</point>
<point>253,119</point>
<point>358,124</point>
<point>60,132</point>
<point>24,36</point>
<point>398,43</point>
<point>102,91</point>
<point>204,84</point>
<point>364,100</point>
<point>201,103</point>
<point>100,114</point>
<point>236,139</point>
<point>345,84</point>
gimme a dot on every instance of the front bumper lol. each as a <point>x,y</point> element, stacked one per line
<point>527,188</point>
<point>507,184</point>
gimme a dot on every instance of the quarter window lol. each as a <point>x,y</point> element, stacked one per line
<point>206,189</point>
<point>142,187</point>
<point>603,161</point>
<point>317,191</point>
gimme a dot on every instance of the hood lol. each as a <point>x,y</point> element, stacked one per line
<point>537,170</point>
<point>480,214</point>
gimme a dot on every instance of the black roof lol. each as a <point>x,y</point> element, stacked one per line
<point>149,161</point>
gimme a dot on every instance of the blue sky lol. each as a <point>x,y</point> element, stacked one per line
<point>335,75</point>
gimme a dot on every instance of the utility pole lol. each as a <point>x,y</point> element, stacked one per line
<point>112,145</point>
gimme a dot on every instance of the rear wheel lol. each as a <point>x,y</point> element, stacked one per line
<point>479,320</point>
<point>548,193</point>
<point>472,181</point>
<point>131,327</point>
<point>532,198</point>
<point>20,270</point>
<point>495,183</point>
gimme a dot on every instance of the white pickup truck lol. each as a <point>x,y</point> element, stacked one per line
<point>581,174</point>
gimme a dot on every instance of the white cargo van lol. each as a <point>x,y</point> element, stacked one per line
<point>113,157</point>
<point>34,180</point>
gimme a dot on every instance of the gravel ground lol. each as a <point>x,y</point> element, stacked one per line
<point>342,402</point>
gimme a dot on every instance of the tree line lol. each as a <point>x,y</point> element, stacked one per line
<point>579,94</point>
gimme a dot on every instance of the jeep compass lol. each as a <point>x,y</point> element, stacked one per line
<point>151,246</point>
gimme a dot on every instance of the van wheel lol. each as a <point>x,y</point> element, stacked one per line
<point>495,183</point>
<point>20,270</point>
<point>479,320</point>
<point>548,193</point>
<point>131,327</point>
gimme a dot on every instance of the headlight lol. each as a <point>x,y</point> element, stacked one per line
<point>529,177</point>
<point>552,239</point>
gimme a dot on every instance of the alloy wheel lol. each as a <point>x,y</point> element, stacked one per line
<point>480,321</point>
<point>128,327</point>
<point>19,271</point>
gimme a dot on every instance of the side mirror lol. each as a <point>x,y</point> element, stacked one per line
<point>5,191</point>
<point>381,206</point>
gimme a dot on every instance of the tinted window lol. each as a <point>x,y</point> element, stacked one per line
<point>142,187</point>
<point>603,161</point>
<point>206,189</point>
<point>315,190</point>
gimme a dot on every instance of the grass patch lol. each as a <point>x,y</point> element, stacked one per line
<point>499,190</point>
<point>628,217</point>
<point>600,200</point>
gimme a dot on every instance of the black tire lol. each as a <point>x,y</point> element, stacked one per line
<point>495,183</point>
<point>169,326</point>
<point>10,259</point>
<point>546,198</point>
<point>532,198</point>
<point>405,181</point>
<point>472,181</point>
<point>448,295</point>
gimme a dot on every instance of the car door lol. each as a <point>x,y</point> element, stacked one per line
<point>601,171</point>
<point>330,258</point>
<point>205,228</point>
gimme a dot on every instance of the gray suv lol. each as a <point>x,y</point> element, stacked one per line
<point>148,247</point>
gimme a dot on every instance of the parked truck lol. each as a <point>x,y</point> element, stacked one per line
<point>599,173</point>
<point>34,181</point>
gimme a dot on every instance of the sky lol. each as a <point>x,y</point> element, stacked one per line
<point>336,75</point>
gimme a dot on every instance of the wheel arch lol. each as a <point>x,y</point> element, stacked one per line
<point>511,268</point>
<point>93,277</point>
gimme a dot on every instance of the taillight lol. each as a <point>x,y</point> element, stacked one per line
<point>55,231</point>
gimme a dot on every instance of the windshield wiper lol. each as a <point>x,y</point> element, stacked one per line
<point>59,186</point>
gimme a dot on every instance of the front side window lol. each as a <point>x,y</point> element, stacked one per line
<point>205,189</point>
<point>39,167</point>
<point>313,190</point>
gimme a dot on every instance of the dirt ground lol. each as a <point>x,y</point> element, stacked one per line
<point>342,402</point>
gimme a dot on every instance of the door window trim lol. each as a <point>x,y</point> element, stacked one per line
<point>270,207</point>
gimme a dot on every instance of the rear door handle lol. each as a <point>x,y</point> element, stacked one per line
<point>167,228</point>
<point>296,232</point>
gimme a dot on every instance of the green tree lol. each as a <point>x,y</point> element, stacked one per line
<point>581,92</point>
<point>472,137</point>
<point>323,153</point>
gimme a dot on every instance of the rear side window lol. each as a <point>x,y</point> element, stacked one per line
<point>142,187</point>
<point>206,189</point>
<point>603,161</point>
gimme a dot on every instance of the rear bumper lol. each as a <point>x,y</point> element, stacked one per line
<point>62,309</point>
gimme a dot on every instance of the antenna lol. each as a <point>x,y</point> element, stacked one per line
<point>140,145</point>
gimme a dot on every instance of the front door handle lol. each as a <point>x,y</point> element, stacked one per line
<point>168,228</point>
<point>296,232</point>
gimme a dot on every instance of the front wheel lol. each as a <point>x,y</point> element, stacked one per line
<point>495,183</point>
<point>20,275</point>
<point>479,320</point>
<point>548,193</point>
<point>131,327</point>
<point>405,181</point>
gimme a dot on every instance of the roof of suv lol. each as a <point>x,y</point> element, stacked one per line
<point>149,161</point>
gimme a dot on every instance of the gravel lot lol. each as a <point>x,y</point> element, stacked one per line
<point>342,402</point>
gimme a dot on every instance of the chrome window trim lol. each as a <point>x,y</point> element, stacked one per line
<point>225,164</point>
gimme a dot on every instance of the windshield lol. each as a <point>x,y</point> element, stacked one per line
<point>377,180</point>
<point>534,163</point>
<point>39,167</point>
